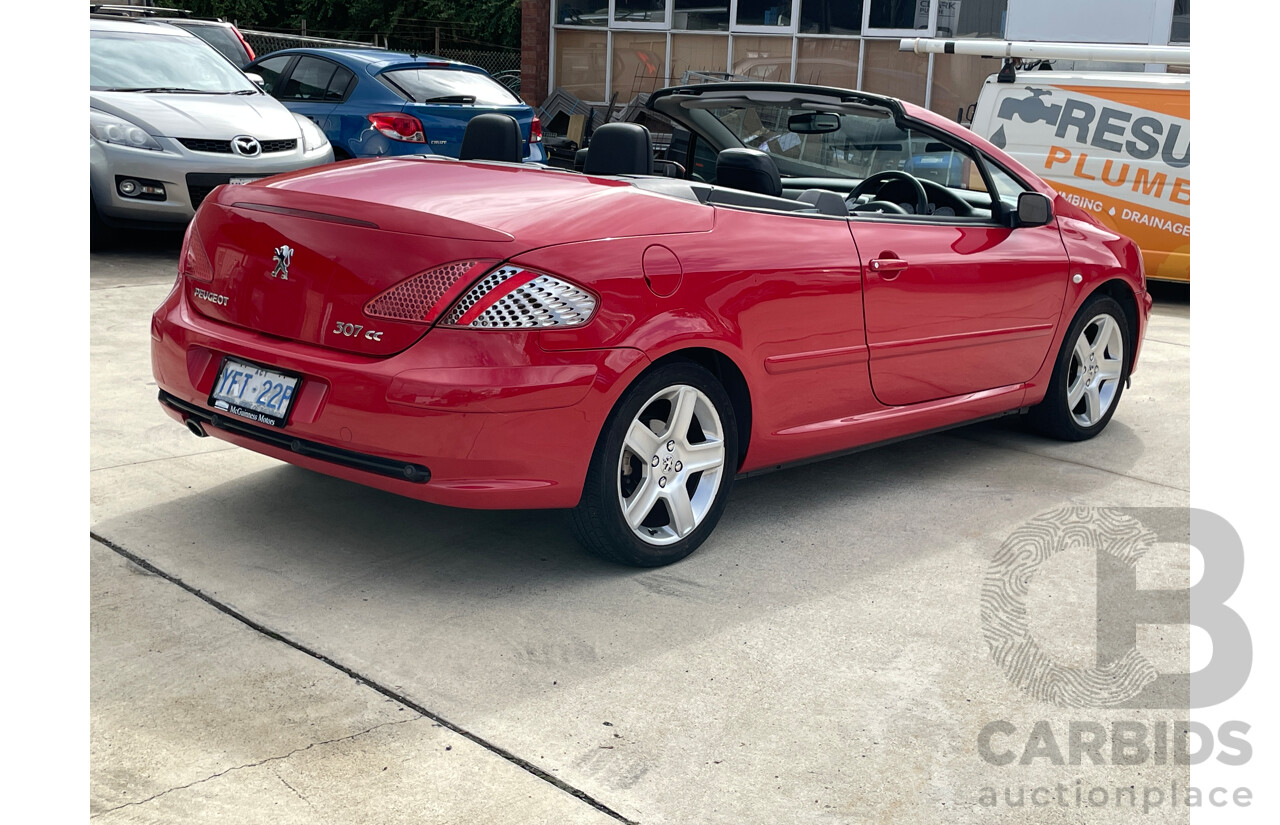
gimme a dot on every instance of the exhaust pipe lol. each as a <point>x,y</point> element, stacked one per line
<point>196,428</point>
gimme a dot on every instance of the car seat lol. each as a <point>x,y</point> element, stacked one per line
<point>492,136</point>
<point>749,170</point>
<point>620,149</point>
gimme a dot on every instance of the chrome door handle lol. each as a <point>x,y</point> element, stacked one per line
<point>888,268</point>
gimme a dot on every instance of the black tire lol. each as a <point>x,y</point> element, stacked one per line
<point>617,475</point>
<point>99,236</point>
<point>1099,328</point>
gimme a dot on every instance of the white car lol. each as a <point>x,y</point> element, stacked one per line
<point>170,119</point>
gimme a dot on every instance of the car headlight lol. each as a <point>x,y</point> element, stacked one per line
<point>312,137</point>
<point>111,129</point>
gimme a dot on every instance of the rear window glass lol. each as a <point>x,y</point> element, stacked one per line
<point>441,85</point>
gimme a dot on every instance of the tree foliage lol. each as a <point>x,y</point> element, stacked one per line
<point>468,23</point>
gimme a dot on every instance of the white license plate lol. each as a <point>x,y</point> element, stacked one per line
<point>239,181</point>
<point>253,392</point>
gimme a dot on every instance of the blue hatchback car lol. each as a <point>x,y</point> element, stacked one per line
<point>372,103</point>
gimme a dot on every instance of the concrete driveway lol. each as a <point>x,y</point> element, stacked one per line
<point>272,645</point>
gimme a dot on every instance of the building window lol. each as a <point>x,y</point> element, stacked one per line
<point>582,12</point>
<point>898,15</point>
<point>957,80</point>
<point>763,58</point>
<point>708,54</point>
<point>828,61</point>
<point>897,74</point>
<point>757,13</point>
<point>639,63</point>
<point>580,63</point>
<point>1180,30</point>
<point>972,18</point>
<point>830,16</point>
<point>646,13</point>
<point>697,15</point>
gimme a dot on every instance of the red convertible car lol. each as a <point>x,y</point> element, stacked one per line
<point>810,271</point>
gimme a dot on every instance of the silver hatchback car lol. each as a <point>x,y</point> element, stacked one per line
<point>170,119</point>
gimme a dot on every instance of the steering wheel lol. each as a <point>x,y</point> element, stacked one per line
<point>874,182</point>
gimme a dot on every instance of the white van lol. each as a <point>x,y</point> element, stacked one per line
<point>1117,144</point>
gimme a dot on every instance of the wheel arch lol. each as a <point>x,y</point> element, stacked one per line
<point>1120,291</point>
<point>730,377</point>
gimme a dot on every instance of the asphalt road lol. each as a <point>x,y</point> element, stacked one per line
<point>272,645</point>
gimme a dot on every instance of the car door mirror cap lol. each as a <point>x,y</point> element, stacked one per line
<point>257,79</point>
<point>1034,209</point>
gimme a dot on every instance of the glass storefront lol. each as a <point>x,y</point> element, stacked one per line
<point>580,60</point>
<point>622,48</point>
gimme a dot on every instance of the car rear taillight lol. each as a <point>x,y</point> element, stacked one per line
<point>193,261</point>
<point>514,297</point>
<point>535,131</point>
<point>423,297</point>
<point>245,43</point>
<point>399,126</point>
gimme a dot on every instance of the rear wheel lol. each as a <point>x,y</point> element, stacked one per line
<point>1089,376</point>
<point>662,470</point>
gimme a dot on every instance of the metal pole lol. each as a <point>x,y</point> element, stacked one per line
<point>1026,50</point>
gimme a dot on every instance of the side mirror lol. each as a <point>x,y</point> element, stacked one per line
<point>1034,209</point>
<point>813,123</point>
<point>257,80</point>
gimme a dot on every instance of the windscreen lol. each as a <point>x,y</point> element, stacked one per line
<point>135,61</point>
<point>862,145</point>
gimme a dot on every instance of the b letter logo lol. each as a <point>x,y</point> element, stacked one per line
<point>1121,676</point>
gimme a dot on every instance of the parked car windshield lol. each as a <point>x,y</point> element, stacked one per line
<point>864,143</point>
<point>133,61</point>
<point>450,86</point>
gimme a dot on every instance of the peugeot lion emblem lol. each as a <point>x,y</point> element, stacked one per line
<point>246,146</point>
<point>284,254</point>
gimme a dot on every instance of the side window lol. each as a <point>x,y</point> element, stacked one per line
<point>938,162</point>
<point>341,84</point>
<point>1007,187</point>
<point>704,162</point>
<point>700,164</point>
<point>271,68</point>
<point>309,79</point>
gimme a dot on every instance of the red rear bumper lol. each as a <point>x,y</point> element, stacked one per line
<point>496,420</point>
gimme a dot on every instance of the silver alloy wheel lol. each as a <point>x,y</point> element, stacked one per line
<point>1094,375</point>
<point>671,464</point>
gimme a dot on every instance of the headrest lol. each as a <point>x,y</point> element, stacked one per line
<point>750,170</point>
<point>492,136</point>
<point>620,149</point>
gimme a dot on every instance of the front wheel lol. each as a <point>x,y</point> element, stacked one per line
<point>662,470</point>
<point>1088,378</point>
<point>98,233</point>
